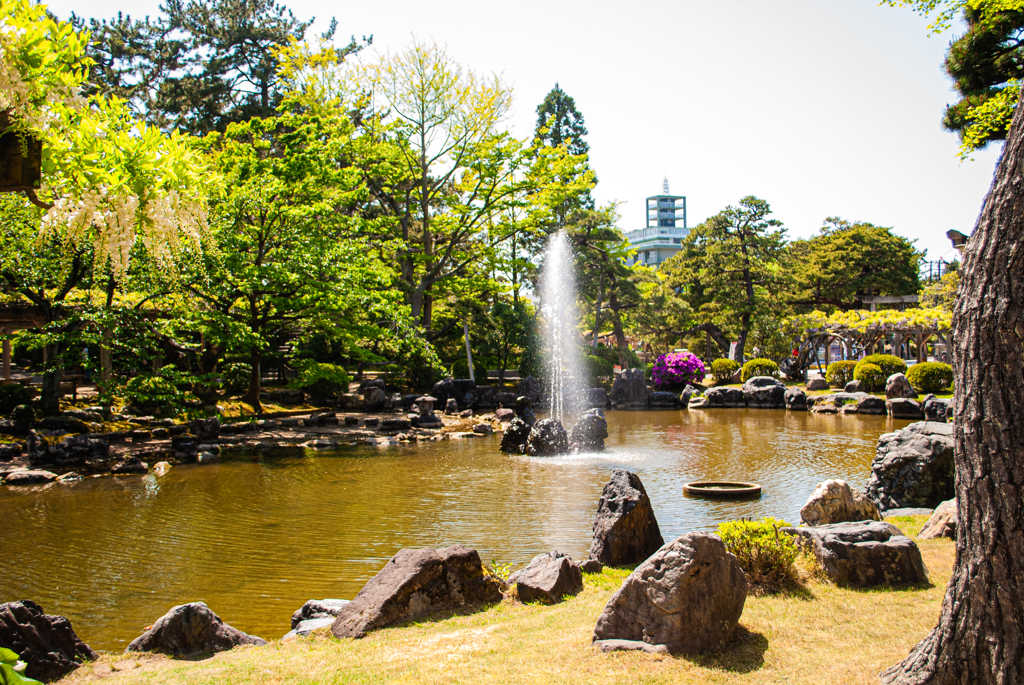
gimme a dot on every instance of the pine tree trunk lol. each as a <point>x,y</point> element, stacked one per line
<point>980,634</point>
<point>255,379</point>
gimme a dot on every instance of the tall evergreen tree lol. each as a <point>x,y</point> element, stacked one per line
<point>560,123</point>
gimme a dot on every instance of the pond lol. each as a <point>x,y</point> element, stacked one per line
<point>256,536</point>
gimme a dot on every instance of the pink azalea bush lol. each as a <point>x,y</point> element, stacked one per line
<point>677,369</point>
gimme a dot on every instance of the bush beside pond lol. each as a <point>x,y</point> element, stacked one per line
<point>840,373</point>
<point>930,377</point>
<point>759,367</point>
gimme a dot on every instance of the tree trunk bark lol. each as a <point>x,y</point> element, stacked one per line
<point>980,634</point>
<point>49,394</point>
<point>253,394</point>
<point>620,335</point>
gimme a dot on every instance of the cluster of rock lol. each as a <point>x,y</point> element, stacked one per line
<point>630,391</point>
<point>524,434</point>
<point>864,553</point>
<point>913,467</point>
<point>47,644</point>
<point>834,501</point>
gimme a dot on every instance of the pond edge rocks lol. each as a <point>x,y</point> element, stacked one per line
<point>625,528</point>
<point>189,629</point>
<point>47,644</point>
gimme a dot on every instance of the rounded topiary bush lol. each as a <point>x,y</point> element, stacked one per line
<point>234,377</point>
<point>13,395</point>
<point>766,555</point>
<point>930,376</point>
<point>723,369</point>
<point>598,367</point>
<point>889,364</point>
<point>676,369</point>
<point>759,367</point>
<point>871,375</point>
<point>321,380</point>
<point>840,373</point>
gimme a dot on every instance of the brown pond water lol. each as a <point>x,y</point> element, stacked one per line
<point>256,536</point>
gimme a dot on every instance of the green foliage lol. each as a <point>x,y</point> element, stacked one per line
<point>871,375</point>
<point>930,377</point>
<point>151,390</point>
<point>23,416</point>
<point>235,377</point>
<point>597,367</point>
<point>723,369</point>
<point>840,373</point>
<point>759,367</point>
<point>321,380</point>
<point>943,293</point>
<point>500,571</point>
<point>888,363</point>
<point>12,395</point>
<point>765,555</point>
<point>11,667</point>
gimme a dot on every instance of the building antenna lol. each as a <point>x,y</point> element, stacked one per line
<point>664,187</point>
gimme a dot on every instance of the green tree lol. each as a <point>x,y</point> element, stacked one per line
<point>560,125</point>
<point>730,266</point>
<point>849,260</point>
<point>943,293</point>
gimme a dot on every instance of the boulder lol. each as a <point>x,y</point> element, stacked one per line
<point>374,398</point>
<point>629,389</point>
<point>130,464</point>
<point>304,628</point>
<point>625,529</point>
<point>205,429</point>
<point>936,409</point>
<point>685,395</point>
<point>9,451</point>
<point>62,422</point>
<point>395,425</point>
<point>854,386</point>
<point>426,420</point>
<point>371,422</point>
<point>462,390</point>
<point>318,608</point>
<point>451,406</point>
<point>523,410</point>
<point>531,389</point>
<point>629,645</point>
<point>47,644</point>
<point>483,429</point>
<point>504,415</point>
<point>548,578</point>
<point>913,467</point>
<point>816,384</point>
<point>865,553</point>
<point>547,438</point>
<point>795,399</point>
<point>29,477</point>
<point>869,404</point>
<point>764,392</point>
<point>724,397</point>
<point>189,629</point>
<point>663,399</point>
<point>589,433</point>
<point>591,566</point>
<point>415,583</point>
<point>903,408</point>
<point>505,399</point>
<point>515,437</point>
<point>485,395</point>
<point>943,522</point>
<point>597,398</point>
<point>687,596</point>
<point>897,386</point>
<point>835,502</point>
<point>825,405</point>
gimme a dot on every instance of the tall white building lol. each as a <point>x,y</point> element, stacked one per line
<point>665,230</point>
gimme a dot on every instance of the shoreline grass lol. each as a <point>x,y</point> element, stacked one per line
<point>821,633</point>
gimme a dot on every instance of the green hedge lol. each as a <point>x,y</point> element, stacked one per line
<point>320,380</point>
<point>765,554</point>
<point>840,373</point>
<point>235,377</point>
<point>930,376</point>
<point>759,367</point>
<point>598,367</point>
<point>871,375</point>
<point>723,369</point>
<point>888,363</point>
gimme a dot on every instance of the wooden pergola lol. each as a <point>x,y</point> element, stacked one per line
<point>16,317</point>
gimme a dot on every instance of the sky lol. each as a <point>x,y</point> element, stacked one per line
<point>821,107</point>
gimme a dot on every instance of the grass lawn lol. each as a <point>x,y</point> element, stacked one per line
<point>822,634</point>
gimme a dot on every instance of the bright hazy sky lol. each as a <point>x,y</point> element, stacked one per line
<point>821,107</point>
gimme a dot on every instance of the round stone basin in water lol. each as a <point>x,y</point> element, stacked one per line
<point>256,536</point>
<point>731,489</point>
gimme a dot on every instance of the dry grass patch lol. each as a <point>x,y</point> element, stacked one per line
<point>819,635</point>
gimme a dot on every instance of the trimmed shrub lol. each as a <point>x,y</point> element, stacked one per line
<point>598,367</point>
<point>153,393</point>
<point>930,376</point>
<point>889,364</point>
<point>759,367</point>
<point>871,375</point>
<point>13,395</point>
<point>235,377</point>
<point>765,555</point>
<point>320,380</point>
<point>840,373</point>
<point>676,369</point>
<point>723,369</point>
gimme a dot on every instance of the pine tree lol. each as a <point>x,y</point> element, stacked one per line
<point>560,123</point>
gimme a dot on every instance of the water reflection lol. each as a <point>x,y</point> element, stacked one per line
<point>255,537</point>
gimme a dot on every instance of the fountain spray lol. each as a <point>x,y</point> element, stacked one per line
<point>566,377</point>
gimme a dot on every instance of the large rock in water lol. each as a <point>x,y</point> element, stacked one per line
<point>765,392</point>
<point>835,502</point>
<point>531,389</point>
<point>688,596</point>
<point>625,530</point>
<point>663,399</point>
<point>936,409</point>
<point>513,440</point>
<point>904,408</point>
<point>818,383</point>
<point>189,629</point>
<point>897,386</point>
<point>415,583</point>
<point>597,398</point>
<point>589,432</point>
<point>547,438</point>
<point>795,399</point>
<point>548,578</point>
<point>865,553</point>
<point>913,467</point>
<point>462,390</point>
<point>630,390</point>
<point>47,644</point>
<point>943,522</point>
<point>869,404</point>
<point>725,397</point>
